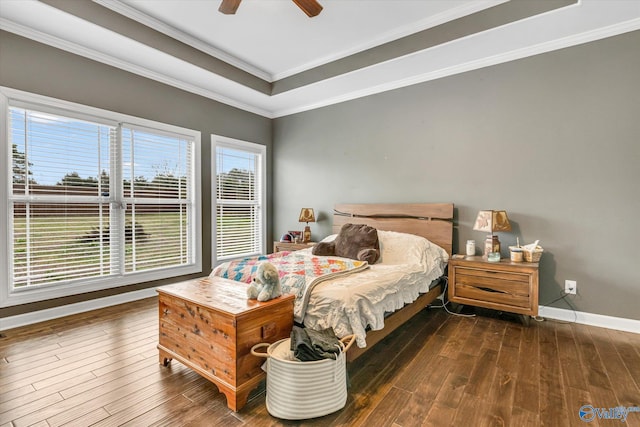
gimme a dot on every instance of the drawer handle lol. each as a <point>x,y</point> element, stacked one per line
<point>269,330</point>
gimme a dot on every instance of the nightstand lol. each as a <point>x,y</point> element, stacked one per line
<point>290,246</point>
<point>505,285</point>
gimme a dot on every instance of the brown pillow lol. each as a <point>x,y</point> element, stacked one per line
<point>370,255</point>
<point>358,241</point>
<point>324,249</point>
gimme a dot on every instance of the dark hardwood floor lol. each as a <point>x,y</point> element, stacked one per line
<point>101,368</point>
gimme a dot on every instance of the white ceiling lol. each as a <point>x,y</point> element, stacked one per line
<point>273,39</point>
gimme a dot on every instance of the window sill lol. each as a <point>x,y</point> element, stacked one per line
<point>42,293</point>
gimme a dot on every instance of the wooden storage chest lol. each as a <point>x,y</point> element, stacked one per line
<point>210,326</point>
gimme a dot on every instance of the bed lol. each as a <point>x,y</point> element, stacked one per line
<point>371,302</point>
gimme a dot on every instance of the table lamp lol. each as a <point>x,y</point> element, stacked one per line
<point>306,215</point>
<point>490,222</point>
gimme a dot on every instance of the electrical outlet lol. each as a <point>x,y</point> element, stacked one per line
<point>570,287</point>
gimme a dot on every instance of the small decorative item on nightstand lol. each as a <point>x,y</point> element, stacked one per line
<point>296,236</point>
<point>493,257</point>
<point>306,215</point>
<point>517,253</point>
<point>286,237</point>
<point>471,248</point>
<point>532,252</point>
<point>491,221</point>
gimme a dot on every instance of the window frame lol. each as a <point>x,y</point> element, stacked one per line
<point>251,147</point>
<point>8,295</point>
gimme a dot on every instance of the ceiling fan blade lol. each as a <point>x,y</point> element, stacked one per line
<point>310,7</point>
<point>229,7</point>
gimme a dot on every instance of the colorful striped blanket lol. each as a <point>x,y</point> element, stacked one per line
<point>299,272</point>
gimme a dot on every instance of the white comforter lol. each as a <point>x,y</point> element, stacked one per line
<point>352,303</point>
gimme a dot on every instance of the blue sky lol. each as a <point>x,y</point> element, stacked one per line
<point>57,146</point>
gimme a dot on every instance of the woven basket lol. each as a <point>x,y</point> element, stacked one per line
<point>533,256</point>
<point>301,390</point>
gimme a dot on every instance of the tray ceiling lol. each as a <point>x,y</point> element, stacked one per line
<point>271,59</point>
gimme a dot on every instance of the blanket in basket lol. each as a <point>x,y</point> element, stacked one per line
<point>299,272</point>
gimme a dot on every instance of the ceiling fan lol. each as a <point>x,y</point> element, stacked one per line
<point>310,7</point>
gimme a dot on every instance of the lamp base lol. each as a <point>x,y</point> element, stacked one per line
<point>492,244</point>
<point>306,235</point>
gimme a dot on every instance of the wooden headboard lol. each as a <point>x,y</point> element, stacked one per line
<point>433,221</point>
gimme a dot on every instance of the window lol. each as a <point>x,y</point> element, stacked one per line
<point>95,199</point>
<point>239,180</point>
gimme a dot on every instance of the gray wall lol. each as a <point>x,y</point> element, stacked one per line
<point>553,139</point>
<point>37,68</point>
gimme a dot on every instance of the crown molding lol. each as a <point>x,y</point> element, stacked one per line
<point>421,25</point>
<point>432,21</point>
<point>75,48</point>
<point>513,55</point>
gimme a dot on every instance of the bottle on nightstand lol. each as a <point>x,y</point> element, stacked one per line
<point>471,247</point>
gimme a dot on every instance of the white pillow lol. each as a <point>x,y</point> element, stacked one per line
<point>402,248</point>
<point>329,238</point>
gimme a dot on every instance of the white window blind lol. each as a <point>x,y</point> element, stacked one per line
<point>93,201</point>
<point>239,200</point>
<point>157,192</point>
<point>60,198</point>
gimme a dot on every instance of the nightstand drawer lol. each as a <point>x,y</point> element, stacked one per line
<point>493,286</point>
<point>487,295</point>
<point>500,286</point>
<point>512,283</point>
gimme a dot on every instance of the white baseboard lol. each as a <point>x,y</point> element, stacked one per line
<point>618,323</point>
<point>79,307</point>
